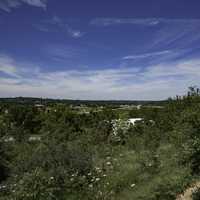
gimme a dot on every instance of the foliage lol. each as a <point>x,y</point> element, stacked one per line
<point>78,156</point>
<point>196,194</point>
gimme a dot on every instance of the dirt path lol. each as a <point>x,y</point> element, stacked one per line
<point>187,195</point>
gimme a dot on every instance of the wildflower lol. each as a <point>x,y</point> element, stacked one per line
<point>133,185</point>
<point>97,179</point>
<point>108,163</point>
<point>150,164</point>
<point>99,171</point>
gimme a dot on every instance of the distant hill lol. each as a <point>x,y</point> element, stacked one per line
<point>32,100</point>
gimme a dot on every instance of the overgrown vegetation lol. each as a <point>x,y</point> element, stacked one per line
<point>196,194</point>
<point>77,156</point>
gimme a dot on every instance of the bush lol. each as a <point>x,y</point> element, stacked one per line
<point>196,194</point>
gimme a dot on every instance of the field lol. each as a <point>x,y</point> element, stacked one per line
<point>74,154</point>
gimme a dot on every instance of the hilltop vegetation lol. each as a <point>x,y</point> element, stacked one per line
<point>32,101</point>
<point>79,157</point>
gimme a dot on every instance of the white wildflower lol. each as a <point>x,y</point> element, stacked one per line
<point>133,185</point>
<point>97,179</point>
<point>108,163</point>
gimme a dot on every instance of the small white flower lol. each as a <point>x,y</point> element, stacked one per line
<point>90,186</point>
<point>97,179</point>
<point>150,164</point>
<point>133,185</point>
<point>108,163</point>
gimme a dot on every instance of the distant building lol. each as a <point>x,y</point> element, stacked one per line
<point>134,120</point>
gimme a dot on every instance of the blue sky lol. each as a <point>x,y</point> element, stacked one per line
<point>134,50</point>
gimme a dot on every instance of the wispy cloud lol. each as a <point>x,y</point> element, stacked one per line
<point>167,33</point>
<point>8,5</point>
<point>139,21</point>
<point>56,24</point>
<point>117,21</point>
<point>63,52</point>
<point>8,65</point>
<point>36,3</point>
<point>153,82</point>
<point>74,33</point>
<point>146,55</point>
<point>12,68</point>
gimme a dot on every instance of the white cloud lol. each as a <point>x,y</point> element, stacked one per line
<point>63,52</point>
<point>167,33</point>
<point>140,21</point>
<point>177,33</point>
<point>56,24</point>
<point>8,5</point>
<point>117,21</point>
<point>36,3</point>
<point>7,65</point>
<point>146,55</point>
<point>154,82</point>
<point>74,33</point>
